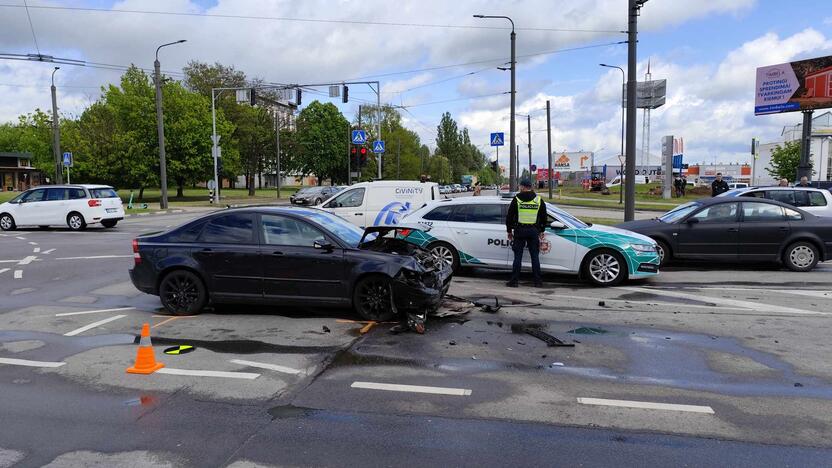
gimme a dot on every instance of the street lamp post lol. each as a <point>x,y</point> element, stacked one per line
<point>632,42</point>
<point>621,155</point>
<point>163,203</point>
<point>512,149</point>
<point>56,133</point>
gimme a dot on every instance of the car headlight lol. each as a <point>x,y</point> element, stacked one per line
<point>411,277</point>
<point>643,248</point>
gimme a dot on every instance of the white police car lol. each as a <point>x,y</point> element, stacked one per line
<point>471,231</point>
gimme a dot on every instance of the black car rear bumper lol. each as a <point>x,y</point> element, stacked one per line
<point>144,280</point>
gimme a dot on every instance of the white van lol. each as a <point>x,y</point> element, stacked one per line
<point>381,202</point>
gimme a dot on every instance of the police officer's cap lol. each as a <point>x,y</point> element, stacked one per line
<point>526,183</point>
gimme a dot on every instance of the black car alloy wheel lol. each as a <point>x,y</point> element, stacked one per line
<point>373,298</point>
<point>182,293</point>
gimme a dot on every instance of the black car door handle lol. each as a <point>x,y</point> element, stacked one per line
<point>359,214</point>
<point>206,251</point>
<point>733,230</point>
<point>784,228</point>
<point>277,253</point>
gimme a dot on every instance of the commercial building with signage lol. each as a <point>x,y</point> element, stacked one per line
<point>820,150</point>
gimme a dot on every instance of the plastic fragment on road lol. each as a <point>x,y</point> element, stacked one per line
<point>587,331</point>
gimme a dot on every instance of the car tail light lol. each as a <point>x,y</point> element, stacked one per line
<point>137,258</point>
<point>94,203</point>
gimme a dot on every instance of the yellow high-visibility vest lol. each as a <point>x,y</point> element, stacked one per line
<point>527,210</point>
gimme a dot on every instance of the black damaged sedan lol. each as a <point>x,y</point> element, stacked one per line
<point>288,256</point>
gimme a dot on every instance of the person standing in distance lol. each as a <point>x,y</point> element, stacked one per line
<point>719,185</point>
<point>526,224</point>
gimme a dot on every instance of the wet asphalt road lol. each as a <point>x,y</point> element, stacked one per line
<point>748,343</point>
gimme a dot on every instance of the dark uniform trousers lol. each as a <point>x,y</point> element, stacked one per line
<point>526,236</point>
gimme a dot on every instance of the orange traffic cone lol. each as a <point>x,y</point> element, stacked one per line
<point>145,361</point>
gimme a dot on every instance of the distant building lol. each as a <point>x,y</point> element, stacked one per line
<point>820,150</point>
<point>17,173</point>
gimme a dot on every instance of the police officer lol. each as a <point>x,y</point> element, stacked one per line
<point>526,224</point>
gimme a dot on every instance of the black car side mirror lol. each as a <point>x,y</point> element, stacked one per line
<point>692,220</point>
<point>324,245</point>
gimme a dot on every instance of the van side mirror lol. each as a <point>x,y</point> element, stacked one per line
<point>557,225</point>
<point>692,220</point>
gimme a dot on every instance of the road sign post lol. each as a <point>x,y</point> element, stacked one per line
<point>498,139</point>
<point>67,164</point>
<point>378,146</point>
<point>359,137</point>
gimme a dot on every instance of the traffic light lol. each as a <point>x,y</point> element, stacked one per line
<point>363,157</point>
<point>495,168</point>
<point>354,156</point>
<point>298,96</point>
<point>345,95</point>
<point>253,96</point>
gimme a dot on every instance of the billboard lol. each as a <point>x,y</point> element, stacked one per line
<point>576,161</point>
<point>649,94</point>
<point>794,86</point>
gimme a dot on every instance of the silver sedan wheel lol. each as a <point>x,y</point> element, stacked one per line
<point>75,222</point>
<point>444,254</point>
<point>604,268</point>
<point>6,223</point>
<point>802,256</point>
<point>660,251</point>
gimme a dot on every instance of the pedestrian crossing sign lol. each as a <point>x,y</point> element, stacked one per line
<point>498,139</point>
<point>378,146</point>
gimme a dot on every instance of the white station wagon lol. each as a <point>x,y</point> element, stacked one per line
<point>75,206</point>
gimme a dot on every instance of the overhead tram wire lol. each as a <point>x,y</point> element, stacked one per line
<point>312,20</point>
<point>31,26</point>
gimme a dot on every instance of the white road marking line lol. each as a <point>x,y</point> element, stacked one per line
<point>33,243</point>
<point>48,251</point>
<point>24,362</point>
<point>648,302</point>
<point>798,292</point>
<point>262,365</point>
<point>755,306</point>
<point>92,258</point>
<point>36,250</point>
<point>208,373</point>
<point>9,261</point>
<point>67,314</point>
<point>3,270</point>
<point>646,405</point>
<point>27,260</point>
<point>21,238</point>
<point>18,274</point>
<point>412,388</point>
<point>93,325</point>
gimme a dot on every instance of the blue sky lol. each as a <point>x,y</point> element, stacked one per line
<point>707,50</point>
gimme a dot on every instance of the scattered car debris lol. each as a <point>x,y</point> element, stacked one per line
<point>452,343</point>
<point>587,331</point>
<point>547,338</point>
<point>325,329</point>
<point>602,303</point>
<point>556,364</point>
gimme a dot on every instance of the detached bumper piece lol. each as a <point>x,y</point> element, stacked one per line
<point>420,293</point>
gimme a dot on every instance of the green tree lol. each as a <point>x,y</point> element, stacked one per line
<point>784,161</point>
<point>256,137</point>
<point>449,146</point>
<point>321,143</point>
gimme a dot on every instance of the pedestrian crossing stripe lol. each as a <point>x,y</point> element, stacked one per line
<point>181,349</point>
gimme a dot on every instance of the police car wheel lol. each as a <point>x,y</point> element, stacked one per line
<point>447,253</point>
<point>604,268</point>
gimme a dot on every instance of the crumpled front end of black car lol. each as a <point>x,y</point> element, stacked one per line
<point>421,283</point>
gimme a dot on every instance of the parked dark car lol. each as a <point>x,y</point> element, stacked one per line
<point>313,195</point>
<point>740,230</point>
<point>288,256</point>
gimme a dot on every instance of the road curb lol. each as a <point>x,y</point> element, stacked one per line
<point>131,215</point>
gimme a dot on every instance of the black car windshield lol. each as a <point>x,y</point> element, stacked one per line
<point>345,230</point>
<point>679,212</point>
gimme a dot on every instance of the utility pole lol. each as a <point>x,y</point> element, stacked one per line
<point>398,159</point>
<point>277,125</point>
<point>549,146</point>
<point>514,167</point>
<point>529,126</point>
<point>56,134</point>
<point>630,180</point>
<point>160,128</point>
<point>349,155</point>
<point>804,167</point>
